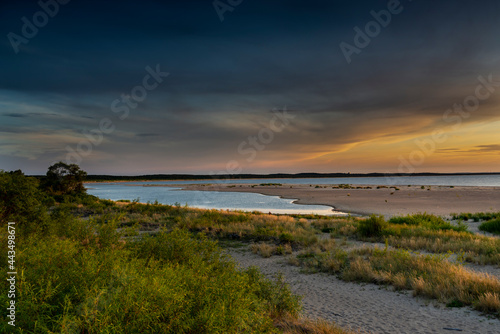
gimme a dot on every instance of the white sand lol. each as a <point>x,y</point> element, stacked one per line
<point>369,307</point>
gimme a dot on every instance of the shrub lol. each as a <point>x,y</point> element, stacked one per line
<point>372,227</point>
<point>492,226</point>
<point>427,221</point>
<point>93,282</point>
<point>477,216</point>
<point>22,202</point>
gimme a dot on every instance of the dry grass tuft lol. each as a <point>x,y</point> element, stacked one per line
<point>263,249</point>
<point>267,250</point>
<point>290,325</point>
<point>489,302</point>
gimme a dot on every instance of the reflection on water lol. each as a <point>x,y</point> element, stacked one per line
<point>205,199</point>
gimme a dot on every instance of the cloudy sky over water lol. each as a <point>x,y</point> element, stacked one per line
<point>136,87</point>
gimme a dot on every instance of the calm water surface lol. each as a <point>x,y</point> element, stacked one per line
<point>258,202</point>
<point>204,199</point>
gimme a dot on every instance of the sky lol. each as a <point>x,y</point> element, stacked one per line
<point>240,86</point>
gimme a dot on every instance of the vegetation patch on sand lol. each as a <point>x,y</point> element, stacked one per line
<point>479,216</point>
<point>427,275</point>
<point>492,226</point>
<point>423,232</point>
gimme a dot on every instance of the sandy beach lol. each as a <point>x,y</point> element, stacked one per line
<point>368,307</point>
<point>402,200</point>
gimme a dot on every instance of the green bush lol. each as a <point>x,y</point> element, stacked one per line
<point>90,280</point>
<point>22,202</point>
<point>492,226</point>
<point>427,221</point>
<point>477,216</point>
<point>372,227</point>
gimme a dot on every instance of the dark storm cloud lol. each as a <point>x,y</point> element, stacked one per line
<point>226,76</point>
<point>15,115</point>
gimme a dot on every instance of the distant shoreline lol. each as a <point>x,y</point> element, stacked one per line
<point>236,177</point>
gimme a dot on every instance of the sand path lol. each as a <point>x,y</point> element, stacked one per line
<point>368,307</point>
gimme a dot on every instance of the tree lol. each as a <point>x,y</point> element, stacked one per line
<point>63,179</point>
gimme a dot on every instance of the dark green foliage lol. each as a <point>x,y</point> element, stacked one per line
<point>427,221</point>
<point>455,303</point>
<point>63,180</point>
<point>492,226</point>
<point>89,280</point>
<point>279,299</point>
<point>372,227</point>
<point>23,203</point>
<point>480,216</point>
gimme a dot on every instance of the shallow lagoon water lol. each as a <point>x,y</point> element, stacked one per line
<point>263,203</point>
<point>204,199</point>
